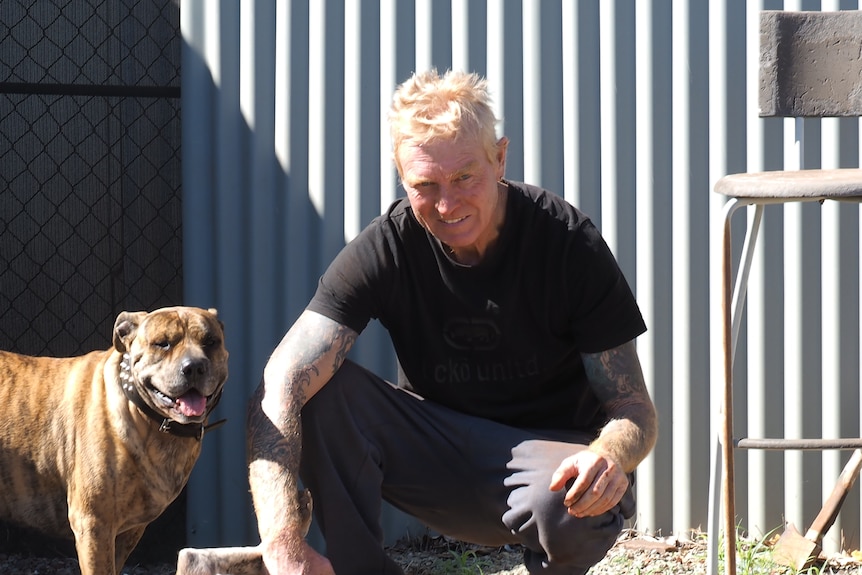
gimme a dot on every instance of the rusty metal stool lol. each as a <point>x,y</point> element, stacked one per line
<point>809,67</point>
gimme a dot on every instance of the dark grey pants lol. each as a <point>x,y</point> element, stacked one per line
<point>469,478</point>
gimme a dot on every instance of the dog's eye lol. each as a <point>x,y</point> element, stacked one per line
<point>211,342</point>
<point>162,344</point>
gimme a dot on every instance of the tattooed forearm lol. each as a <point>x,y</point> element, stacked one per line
<point>632,428</point>
<point>300,382</point>
<point>273,457</point>
<point>271,440</point>
<point>310,353</point>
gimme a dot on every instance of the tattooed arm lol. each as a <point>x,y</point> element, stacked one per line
<point>304,361</point>
<point>616,378</point>
<point>600,472</point>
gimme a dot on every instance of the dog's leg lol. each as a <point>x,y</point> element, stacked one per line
<point>94,543</point>
<point>220,561</point>
<point>125,543</point>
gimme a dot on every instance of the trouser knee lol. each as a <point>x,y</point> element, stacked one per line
<point>586,544</point>
<point>557,542</point>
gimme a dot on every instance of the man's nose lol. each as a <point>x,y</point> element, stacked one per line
<point>447,200</point>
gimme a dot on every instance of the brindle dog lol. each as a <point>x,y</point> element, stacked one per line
<point>97,446</point>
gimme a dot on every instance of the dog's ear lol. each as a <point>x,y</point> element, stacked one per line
<point>214,311</point>
<point>126,327</point>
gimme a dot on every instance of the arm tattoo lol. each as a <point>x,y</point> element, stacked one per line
<point>616,378</point>
<point>315,342</point>
<point>615,375</point>
<point>343,338</point>
<point>310,354</point>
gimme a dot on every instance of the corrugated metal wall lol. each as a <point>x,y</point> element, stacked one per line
<point>632,110</point>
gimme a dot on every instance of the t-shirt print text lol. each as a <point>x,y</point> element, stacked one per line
<point>480,335</point>
<point>462,371</point>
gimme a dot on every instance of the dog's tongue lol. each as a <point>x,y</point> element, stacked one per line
<point>192,404</point>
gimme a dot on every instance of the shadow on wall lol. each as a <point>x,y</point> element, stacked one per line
<point>263,272</point>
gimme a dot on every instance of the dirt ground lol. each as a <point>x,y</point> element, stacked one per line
<point>427,555</point>
<point>419,556</point>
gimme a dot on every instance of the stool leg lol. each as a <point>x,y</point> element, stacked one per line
<point>732,303</point>
<point>727,401</point>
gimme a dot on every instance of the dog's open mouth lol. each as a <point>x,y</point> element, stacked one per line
<point>190,404</point>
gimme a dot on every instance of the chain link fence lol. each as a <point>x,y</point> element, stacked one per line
<point>90,207</point>
<point>90,177</point>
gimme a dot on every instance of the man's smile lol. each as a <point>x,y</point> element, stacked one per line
<point>453,221</point>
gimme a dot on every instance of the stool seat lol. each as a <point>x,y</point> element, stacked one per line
<point>835,184</point>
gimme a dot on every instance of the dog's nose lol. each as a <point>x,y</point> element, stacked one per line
<point>191,367</point>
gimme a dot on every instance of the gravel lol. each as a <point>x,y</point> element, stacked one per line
<point>428,555</point>
<point>633,553</point>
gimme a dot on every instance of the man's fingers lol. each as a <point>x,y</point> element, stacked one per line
<point>602,496</point>
<point>593,484</point>
<point>564,475</point>
<point>580,496</point>
<point>558,479</point>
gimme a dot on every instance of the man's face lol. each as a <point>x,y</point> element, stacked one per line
<point>453,190</point>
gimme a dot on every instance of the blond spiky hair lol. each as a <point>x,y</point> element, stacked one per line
<point>429,107</point>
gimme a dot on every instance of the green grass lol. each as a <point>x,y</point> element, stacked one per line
<point>463,563</point>
<point>755,556</point>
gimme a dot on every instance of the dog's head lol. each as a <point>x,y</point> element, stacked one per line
<point>176,359</point>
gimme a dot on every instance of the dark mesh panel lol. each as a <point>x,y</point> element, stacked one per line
<point>90,207</point>
<point>90,183</point>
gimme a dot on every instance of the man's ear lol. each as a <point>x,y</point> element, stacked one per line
<point>502,147</point>
<point>125,329</point>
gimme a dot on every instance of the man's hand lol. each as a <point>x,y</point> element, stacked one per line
<point>597,483</point>
<point>304,560</point>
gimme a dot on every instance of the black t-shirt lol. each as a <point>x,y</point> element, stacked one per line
<point>502,339</point>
